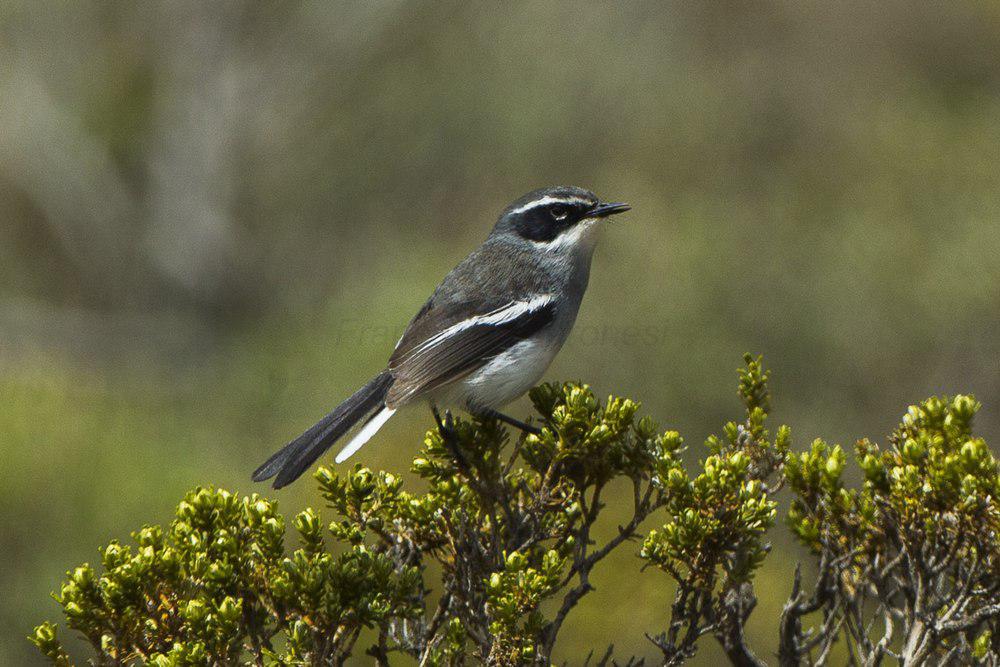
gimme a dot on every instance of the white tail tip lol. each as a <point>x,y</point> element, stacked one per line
<point>377,421</point>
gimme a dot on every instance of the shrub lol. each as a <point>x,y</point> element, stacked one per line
<point>485,562</point>
<point>916,547</point>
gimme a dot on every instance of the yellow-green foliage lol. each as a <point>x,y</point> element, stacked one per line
<point>216,586</point>
<point>936,483</point>
<point>918,542</point>
<point>486,559</point>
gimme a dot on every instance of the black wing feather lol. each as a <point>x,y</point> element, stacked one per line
<point>440,360</point>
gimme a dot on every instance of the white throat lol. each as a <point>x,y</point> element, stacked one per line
<point>582,235</point>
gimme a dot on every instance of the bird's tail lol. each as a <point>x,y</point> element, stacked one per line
<point>366,405</point>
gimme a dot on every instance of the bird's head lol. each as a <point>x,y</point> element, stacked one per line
<point>556,218</point>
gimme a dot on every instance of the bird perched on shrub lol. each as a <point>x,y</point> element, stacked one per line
<point>485,336</point>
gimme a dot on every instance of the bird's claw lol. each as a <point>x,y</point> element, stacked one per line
<point>449,434</point>
<point>446,426</point>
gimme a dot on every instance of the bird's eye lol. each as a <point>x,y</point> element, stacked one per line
<point>559,212</point>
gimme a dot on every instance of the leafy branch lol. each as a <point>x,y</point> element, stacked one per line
<point>484,555</point>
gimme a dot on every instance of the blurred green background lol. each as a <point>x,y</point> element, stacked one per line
<point>216,218</point>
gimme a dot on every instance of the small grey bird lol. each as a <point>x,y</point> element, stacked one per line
<point>485,336</point>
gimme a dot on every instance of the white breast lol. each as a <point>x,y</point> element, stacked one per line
<point>504,378</point>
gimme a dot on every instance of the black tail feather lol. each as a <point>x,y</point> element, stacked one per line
<point>293,459</point>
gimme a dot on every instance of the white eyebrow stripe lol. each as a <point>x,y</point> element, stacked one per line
<point>548,199</point>
<point>502,315</point>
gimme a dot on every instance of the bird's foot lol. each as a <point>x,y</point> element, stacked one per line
<point>449,434</point>
<point>446,426</point>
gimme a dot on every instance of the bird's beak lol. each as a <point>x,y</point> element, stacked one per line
<point>604,210</point>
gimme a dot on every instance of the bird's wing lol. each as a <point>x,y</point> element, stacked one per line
<point>424,360</point>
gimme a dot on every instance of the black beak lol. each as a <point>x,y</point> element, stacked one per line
<point>604,210</point>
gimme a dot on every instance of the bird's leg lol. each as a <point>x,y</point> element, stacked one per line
<point>442,427</point>
<point>516,423</point>
<point>446,427</point>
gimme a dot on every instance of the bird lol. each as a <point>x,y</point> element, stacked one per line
<point>485,336</point>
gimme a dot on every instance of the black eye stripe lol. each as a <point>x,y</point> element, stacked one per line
<point>537,225</point>
<point>541,223</point>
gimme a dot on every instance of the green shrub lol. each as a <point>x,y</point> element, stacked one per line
<point>916,547</point>
<point>486,560</point>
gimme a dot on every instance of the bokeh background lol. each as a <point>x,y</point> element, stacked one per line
<point>216,218</point>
